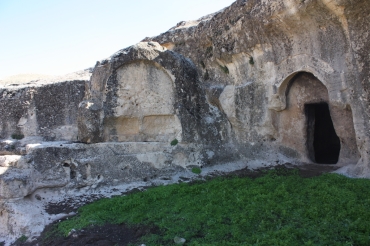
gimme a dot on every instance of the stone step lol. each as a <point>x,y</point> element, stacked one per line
<point>15,183</point>
<point>10,160</point>
<point>122,148</point>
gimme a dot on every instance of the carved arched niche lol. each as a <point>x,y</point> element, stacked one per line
<point>144,105</point>
<point>303,92</point>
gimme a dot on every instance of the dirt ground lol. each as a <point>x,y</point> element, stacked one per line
<point>123,235</point>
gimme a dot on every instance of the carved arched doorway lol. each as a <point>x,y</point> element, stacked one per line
<point>317,130</point>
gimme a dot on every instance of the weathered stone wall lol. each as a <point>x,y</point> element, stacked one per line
<point>32,112</point>
<point>232,86</point>
<point>251,50</point>
<point>48,111</point>
<point>148,93</point>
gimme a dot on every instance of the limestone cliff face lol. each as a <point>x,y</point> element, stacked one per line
<point>259,83</point>
<point>252,50</point>
<point>146,93</point>
<point>43,108</point>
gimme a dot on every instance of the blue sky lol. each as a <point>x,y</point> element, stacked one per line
<point>61,36</point>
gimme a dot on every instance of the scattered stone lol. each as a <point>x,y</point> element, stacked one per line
<point>179,240</point>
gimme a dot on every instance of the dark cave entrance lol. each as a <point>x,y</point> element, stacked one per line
<point>322,141</point>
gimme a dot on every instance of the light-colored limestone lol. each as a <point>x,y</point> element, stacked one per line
<point>145,105</point>
<point>144,89</point>
<point>229,87</point>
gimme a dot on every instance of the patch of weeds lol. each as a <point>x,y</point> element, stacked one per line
<point>202,64</point>
<point>51,234</point>
<point>196,170</point>
<point>206,75</point>
<point>209,51</point>
<point>279,208</point>
<point>17,136</point>
<point>224,69</point>
<point>180,43</point>
<point>22,239</point>
<point>251,61</point>
<point>174,142</point>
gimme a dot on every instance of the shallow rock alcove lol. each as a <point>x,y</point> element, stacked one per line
<point>144,110</point>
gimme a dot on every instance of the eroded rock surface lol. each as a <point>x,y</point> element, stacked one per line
<point>147,93</point>
<point>248,84</point>
<point>42,108</point>
<point>253,50</point>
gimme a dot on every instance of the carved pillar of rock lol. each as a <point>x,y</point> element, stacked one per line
<point>89,122</point>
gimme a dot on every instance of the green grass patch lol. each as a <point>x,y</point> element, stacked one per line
<point>276,209</point>
<point>17,136</point>
<point>209,51</point>
<point>196,170</point>
<point>224,69</point>
<point>174,142</point>
<point>22,239</point>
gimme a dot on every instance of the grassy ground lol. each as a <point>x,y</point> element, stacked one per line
<point>279,208</point>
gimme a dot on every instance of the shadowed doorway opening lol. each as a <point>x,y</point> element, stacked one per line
<point>322,141</point>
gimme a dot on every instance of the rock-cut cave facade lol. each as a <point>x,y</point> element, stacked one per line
<point>261,82</point>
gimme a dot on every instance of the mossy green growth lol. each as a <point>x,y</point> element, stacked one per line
<point>209,51</point>
<point>22,239</point>
<point>206,75</point>
<point>174,142</point>
<point>203,64</point>
<point>224,69</point>
<point>280,208</point>
<point>180,43</point>
<point>251,60</point>
<point>196,170</point>
<point>17,136</point>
